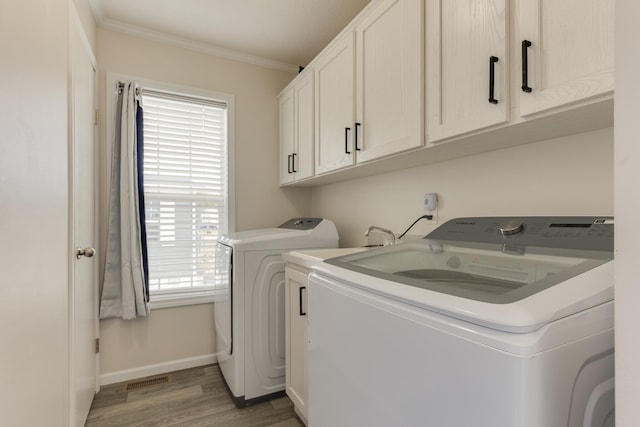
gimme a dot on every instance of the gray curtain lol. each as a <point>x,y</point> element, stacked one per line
<point>123,291</point>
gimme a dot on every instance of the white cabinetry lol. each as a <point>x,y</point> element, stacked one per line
<point>287,134</point>
<point>571,53</point>
<point>389,80</point>
<point>296,337</point>
<point>564,53</point>
<point>467,66</point>
<point>297,271</point>
<point>296,130</point>
<point>479,74</point>
<point>380,80</point>
<point>334,79</point>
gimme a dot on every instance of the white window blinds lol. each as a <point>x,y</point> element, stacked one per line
<point>185,189</point>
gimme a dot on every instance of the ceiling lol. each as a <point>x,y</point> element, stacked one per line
<point>285,32</point>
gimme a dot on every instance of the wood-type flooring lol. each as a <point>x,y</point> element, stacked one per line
<point>193,397</point>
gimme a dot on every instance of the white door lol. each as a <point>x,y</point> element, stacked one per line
<point>303,159</point>
<point>264,324</point>
<point>287,135</point>
<point>570,52</point>
<point>389,80</point>
<point>334,81</point>
<point>467,66</point>
<point>297,130</point>
<point>83,293</point>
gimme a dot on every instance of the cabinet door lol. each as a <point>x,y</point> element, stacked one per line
<point>287,135</point>
<point>462,38</point>
<point>334,74</point>
<point>389,79</point>
<point>296,338</point>
<point>302,161</point>
<point>571,56</point>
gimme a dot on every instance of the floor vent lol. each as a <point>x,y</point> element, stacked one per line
<point>147,382</point>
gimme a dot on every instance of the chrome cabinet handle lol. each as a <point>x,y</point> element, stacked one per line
<point>87,252</point>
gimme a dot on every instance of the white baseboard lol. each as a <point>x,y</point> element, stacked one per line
<point>159,368</point>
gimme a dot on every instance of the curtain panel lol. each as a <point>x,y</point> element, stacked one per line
<point>125,291</point>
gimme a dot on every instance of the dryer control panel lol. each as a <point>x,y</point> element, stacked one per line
<point>301,223</point>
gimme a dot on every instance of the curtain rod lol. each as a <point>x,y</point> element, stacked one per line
<point>174,96</point>
<point>120,88</point>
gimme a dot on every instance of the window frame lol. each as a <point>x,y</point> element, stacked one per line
<point>175,299</point>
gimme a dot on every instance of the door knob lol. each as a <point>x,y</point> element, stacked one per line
<point>88,252</point>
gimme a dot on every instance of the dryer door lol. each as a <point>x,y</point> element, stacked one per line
<point>264,305</point>
<point>223,310</point>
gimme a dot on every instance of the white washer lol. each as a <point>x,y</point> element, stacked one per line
<point>249,314</point>
<point>488,322</point>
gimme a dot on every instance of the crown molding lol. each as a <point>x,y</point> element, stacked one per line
<point>98,11</point>
<point>205,48</point>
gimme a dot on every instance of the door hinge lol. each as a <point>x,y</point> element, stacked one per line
<point>95,117</point>
<point>97,345</point>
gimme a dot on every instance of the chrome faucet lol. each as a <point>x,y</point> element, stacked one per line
<point>383,230</point>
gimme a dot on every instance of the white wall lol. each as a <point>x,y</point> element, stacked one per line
<point>130,345</point>
<point>85,15</point>
<point>627,207</point>
<point>168,337</point>
<point>565,176</point>
<point>34,247</point>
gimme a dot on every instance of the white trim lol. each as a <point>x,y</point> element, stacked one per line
<point>156,369</point>
<point>181,299</point>
<point>111,96</point>
<point>206,48</point>
<point>75,19</point>
<point>97,10</point>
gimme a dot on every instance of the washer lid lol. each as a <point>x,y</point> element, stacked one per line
<point>491,277</point>
<point>482,274</point>
<point>494,260</point>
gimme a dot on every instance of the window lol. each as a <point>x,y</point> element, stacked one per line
<point>185,188</point>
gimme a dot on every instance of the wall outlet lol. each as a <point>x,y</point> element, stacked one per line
<point>430,202</point>
<point>434,216</point>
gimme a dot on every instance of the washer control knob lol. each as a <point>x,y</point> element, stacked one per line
<point>510,227</point>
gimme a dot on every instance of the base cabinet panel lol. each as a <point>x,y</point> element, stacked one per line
<point>296,338</point>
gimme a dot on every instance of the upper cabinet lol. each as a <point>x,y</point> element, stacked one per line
<point>389,80</point>
<point>477,74</point>
<point>287,134</point>
<point>566,49</point>
<point>297,130</point>
<point>334,89</point>
<point>467,66</point>
<point>380,81</point>
<point>302,160</point>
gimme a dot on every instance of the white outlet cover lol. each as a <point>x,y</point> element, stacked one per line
<point>431,202</point>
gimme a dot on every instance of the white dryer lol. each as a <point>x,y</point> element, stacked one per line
<point>249,312</point>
